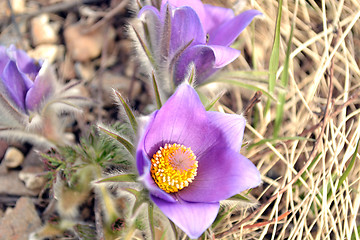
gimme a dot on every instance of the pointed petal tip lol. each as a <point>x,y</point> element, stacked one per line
<point>192,218</point>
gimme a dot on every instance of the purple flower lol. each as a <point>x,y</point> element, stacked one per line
<point>25,82</point>
<point>198,33</point>
<point>189,160</point>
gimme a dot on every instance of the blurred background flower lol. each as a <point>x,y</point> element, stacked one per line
<point>184,32</point>
<point>31,99</point>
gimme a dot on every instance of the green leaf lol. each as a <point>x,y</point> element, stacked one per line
<point>128,111</point>
<point>140,198</point>
<point>157,94</point>
<point>274,58</point>
<point>119,178</point>
<point>120,139</point>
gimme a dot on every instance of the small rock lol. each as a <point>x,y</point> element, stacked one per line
<point>48,52</point>
<point>18,6</point>
<point>42,31</point>
<point>21,222</point>
<point>33,158</point>
<point>32,178</point>
<point>84,47</point>
<point>10,184</point>
<point>13,157</point>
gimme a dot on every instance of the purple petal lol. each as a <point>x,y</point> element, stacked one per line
<point>43,87</point>
<point>222,173</point>
<point>15,84</point>
<point>4,58</point>
<point>151,16</point>
<point>143,162</point>
<point>185,27</point>
<point>207,60</point>
<point>182,119</point>
<point>232,125</point>
<point>153,188</point>
<point>197,5</point>
<point>26,64</point>
<point>192,218</point>
<point>215,16</point>
<point>226,33</point>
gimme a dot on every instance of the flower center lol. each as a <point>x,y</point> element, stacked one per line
<point>173,167</point>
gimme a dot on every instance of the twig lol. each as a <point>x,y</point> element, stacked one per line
<point>314,152</point>
<point>55,8</point>
<point>255,99</point>
<point>12,17</point>
<point>112,13</point>
<point>260,224</point>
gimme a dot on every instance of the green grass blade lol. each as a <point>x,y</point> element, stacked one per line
<point>192,75</point>
<point>120,139</point>
<point>348,169</point>
<point>157,93</point>
<point>244,85</point>
<point>128,111</point>
<point>274,57</point>
<point>151,219</point>
<point>284,82</point>
<point>263,141</point>
<point>303,176</point>
<point>212,103</point>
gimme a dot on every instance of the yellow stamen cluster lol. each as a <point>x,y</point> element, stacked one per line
<point>173,167</point>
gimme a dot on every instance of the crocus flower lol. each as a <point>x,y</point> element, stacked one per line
<point>187,31</point>
<point>26,82</point>
<point>31,99</point>
<point>189,160</point>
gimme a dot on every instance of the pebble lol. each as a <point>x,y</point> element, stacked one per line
<point>10,184</point>
<point>49,52</point>
<point>42,31</point>
<point>22,221</point>
<point>13,158</point>
<point>32,178</point>
<point>84,47</point>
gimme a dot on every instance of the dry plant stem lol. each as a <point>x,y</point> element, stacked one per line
<point>260,224</point>
<point>305,132</point>
<point>98,219</point>
<point>63,6</point>
<point>314,152</point>
<point>255,99</point>
<point>12,16</point>
<point>107,17</point>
